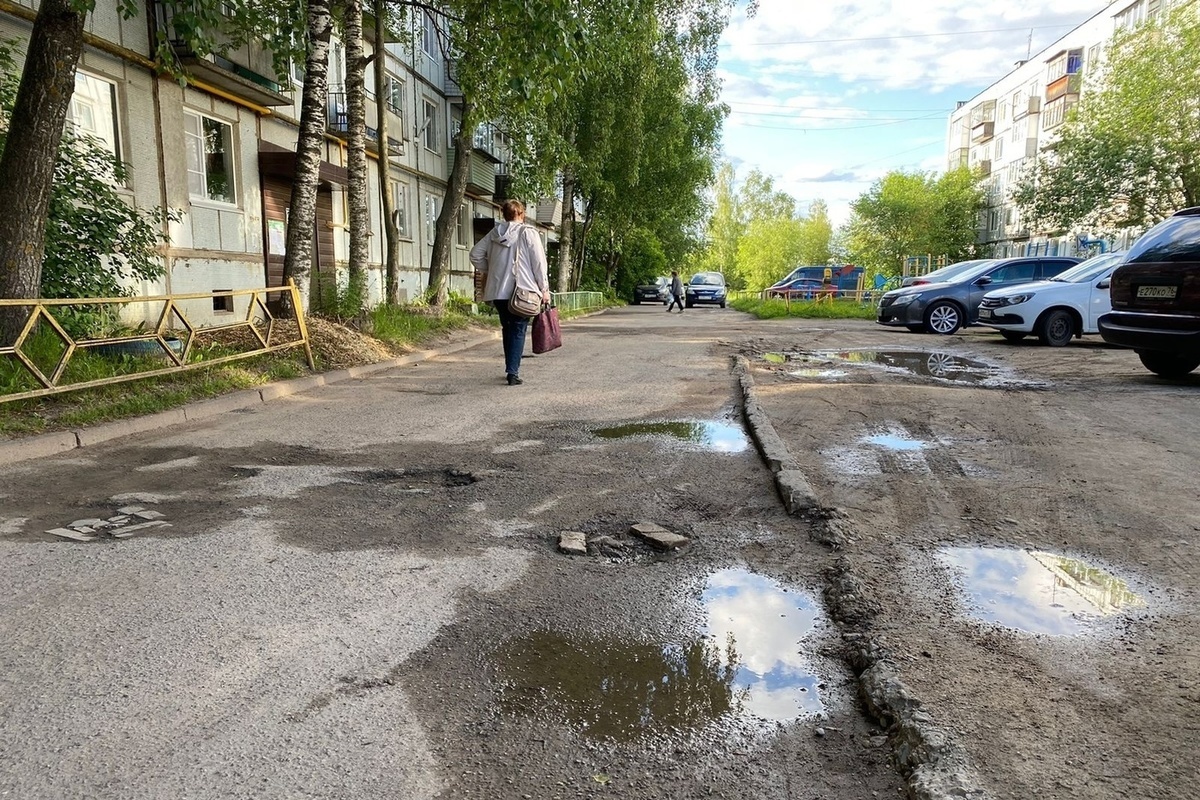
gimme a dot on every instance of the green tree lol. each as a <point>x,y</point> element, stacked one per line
<point>911,213</point>
<point>1127,156</point>
<point>95,241</point>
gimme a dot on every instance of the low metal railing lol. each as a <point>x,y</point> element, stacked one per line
<point>44,350</point>
<point>578,301</point>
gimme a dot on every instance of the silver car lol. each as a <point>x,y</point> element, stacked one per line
<point>945,307</point>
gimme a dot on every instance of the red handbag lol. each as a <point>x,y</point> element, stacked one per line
<point>547,335</point>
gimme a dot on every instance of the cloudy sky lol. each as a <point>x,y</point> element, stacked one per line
<point>828,96</point>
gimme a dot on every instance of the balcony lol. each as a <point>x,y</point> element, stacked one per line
<point>337,122</point>
<point>983,132</point>
<point>958,157</point>
<point>1064,86</point>
<point>223,73</point>
<point>548,211</point>
<point>481,172</point>
<point>1033,105</point>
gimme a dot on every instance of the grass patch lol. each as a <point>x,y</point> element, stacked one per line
<point>777,309</point>
<point>405,327</point>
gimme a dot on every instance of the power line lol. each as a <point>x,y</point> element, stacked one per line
<point>900,36</point>
<point>889,110</point>
<point>826,116</point>
<point>819,129</point>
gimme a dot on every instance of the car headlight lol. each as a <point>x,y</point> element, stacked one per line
<point>903,300</point>
<point>1016,299</point>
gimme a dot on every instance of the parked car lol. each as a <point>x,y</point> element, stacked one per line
<point>657,292</point>
<point>942,274</point>
<point>705,287</point>
<point>1057,310</point>
<point>1156,297</point>
<point>798,289</point>
<point>945,307</point>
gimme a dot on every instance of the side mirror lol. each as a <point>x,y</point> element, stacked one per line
<point>1104,284</point>
<point>984,281</point>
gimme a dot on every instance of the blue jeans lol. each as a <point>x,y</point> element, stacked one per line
<point>512,332</point>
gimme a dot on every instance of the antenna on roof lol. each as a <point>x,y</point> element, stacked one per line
<point>1029,46</point>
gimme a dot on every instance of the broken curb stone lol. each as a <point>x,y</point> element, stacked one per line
<point>573,543</point>
<point>658,537</point>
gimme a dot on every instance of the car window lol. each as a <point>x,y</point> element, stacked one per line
<point>703,279</point>
<point>1091,269</point>
<point>1049,267</point>
<point>945,273</point>
<point>1014,272</point>
<point>1173,240</point>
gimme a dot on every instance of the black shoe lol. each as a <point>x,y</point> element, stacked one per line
<point>513,380</point>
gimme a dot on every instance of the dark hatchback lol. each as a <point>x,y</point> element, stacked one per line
<point>1156,297</point>
<point>657,291</point>
<point>954,303</point>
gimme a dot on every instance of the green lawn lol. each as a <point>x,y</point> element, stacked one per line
<point>829,309</point>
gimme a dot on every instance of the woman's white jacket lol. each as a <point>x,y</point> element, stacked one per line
<point>512,255</point>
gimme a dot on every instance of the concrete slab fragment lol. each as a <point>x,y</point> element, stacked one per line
<point>151,514</point>
<point>67,533</point>
<point>130,509</point>
<point>573,543</point>
<point>86,523</point>
<point>658,537</point>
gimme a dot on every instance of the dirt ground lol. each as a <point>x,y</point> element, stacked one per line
<point>948,483</point>
<point>360,593</point>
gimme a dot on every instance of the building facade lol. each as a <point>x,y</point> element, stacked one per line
<point>221,153</point>
<point>1000,131</point>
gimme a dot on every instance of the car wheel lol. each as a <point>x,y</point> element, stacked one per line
<point>943,317</point>
<point>687,305</point>
<point>1168,365</point>
<point>637,302</point>
<point>1056,328</point>
<point>917,328</point>
<point>1012,336</point>
<point>722,304</point>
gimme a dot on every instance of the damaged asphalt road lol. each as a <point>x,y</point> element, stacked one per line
<point>358,591</point>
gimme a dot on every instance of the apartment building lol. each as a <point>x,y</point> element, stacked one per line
<point>221,152</point>
<point>1000,131</point>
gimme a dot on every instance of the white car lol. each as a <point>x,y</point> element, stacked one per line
<point>1057,310</point>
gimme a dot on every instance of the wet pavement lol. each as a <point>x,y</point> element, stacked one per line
<point>941,366</point>
<point>717,436</point>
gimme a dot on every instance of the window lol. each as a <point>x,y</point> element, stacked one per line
<point>1020,272</point>
<point>394,96</point>
<point>209,146</point>
<point>1131,16</point>
<point>429,36</point>
<point>1003,111</point>
<point>433,206</point>
<point>93,111</point>
<point>297,72</point>
<point>400,209</point>
<point>463,230</point>
<point>999,149</point>
<point>1093,57</point>
<point>1153,8</point>
<point>430,130</point>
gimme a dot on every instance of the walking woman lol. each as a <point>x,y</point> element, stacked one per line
<point>511,255</point>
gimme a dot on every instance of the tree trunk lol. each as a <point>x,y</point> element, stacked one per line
<point>358,196</point>
<point>439,262</point>
<point>27,165</point>
<point>302,211</point>
<point>580,249</point>
<point>391,234</point>
<point>566,230</point>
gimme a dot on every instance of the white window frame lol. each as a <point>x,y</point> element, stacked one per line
<point>431,125</point>
<point>429,37</point>
<point>463,226</point>
<point>195,145</point>
<point>97,102</point>
<point>400,211</point>
<point>394,96</point>
<point>433,207</point>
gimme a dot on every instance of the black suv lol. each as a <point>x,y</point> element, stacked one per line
<point>1156,297</point>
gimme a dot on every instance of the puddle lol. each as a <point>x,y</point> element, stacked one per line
<point>820,374</point>
<point>1038,592</point>
<point>721,437</point>
<point>892,441</point>
<point>945,366</point>
<point>747,664</point>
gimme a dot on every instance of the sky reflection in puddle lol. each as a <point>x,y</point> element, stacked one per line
<point>748,663</point>
<point>762,627</point>
<point>1037,592</point>
<point>721,437</point>
<point>893,441</point>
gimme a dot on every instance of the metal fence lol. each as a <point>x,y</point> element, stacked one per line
<point>578,301</point>
<point>58,350</point>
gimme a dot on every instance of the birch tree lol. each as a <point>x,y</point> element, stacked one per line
<point>391,234</point>
<point>358,195</point>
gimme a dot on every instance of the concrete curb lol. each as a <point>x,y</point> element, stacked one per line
<point>936,768</point>
<point>51,443</point>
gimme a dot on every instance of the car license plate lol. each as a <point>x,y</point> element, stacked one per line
<point>985,312</point>
<point>1157,292</point>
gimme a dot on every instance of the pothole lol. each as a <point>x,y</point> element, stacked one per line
<point>292,480</point>
<point>1037,592</point>
<point>896,441</point>
<point>717,436</point>
<point>747,663</point>
<point>938,365</point>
